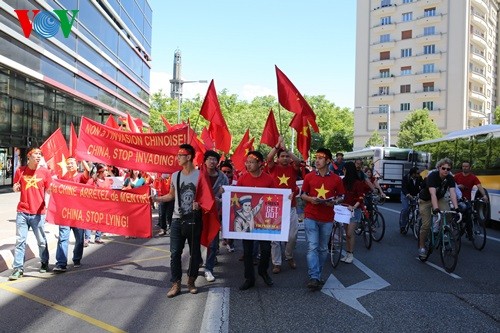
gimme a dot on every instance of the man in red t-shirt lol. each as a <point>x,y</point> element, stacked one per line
<point>466,181</point>
<point>284,172</point>
<point>255,177</point>
<point>33,182</point>
<point>320,191</point>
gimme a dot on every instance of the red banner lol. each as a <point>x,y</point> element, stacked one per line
<point>153,152</point>
<point>126,213</point>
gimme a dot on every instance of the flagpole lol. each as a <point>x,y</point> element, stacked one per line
<point>279,117</point>
<point>195,124</point>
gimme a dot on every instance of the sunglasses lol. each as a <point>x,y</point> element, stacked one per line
<point>447,169</point>
<point>227,171</point>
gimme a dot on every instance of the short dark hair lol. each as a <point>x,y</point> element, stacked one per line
<point>339,154</point>
<point>189,149</point>
<point>257,154</point>
<point>325,151</point>
<point>211,153</point>
<point>413,170</point>
<point>226,164</point>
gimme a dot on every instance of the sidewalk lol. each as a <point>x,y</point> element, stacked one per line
<point>8,205</point>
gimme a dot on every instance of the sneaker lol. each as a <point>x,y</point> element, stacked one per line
<point>44,267</point>
<point>59,269</point>
<point>229,248</point>
<point>348,258</point>
<point>16,274</point>
<point>77,264</point>
<point>98,241</point>
<point>209,276</point>
<point>162,233</point>
<point>422,253</point>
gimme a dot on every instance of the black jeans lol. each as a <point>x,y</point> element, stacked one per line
<point>165,211</point>
<point>178,237</point>
<point>265,256</point>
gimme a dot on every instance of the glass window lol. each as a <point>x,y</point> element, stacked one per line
<point>428,86</point>
<point>382,108</point>
<point>429,68</point>
<point>385,20</point>
<point>407,16</point>
<point>384,72</point>
<point>36,120</point>
<point>405,53</point>
<point>406,70</point>
<point>86,88</point>
<point>382,125</point>
<point>428,105</point>
<point>17,116</point>
<point>385,55</point>
<point>4,114</point>
<point>57,72</point>
<point>429,31</point>
<point>430,12</point>
<point>405,88</point>
<point>385,3</point>
<point>405,107</point>
<point>429,49</point>
<point>383,90</point>
<point>385,38</point>
<point>407,1</point>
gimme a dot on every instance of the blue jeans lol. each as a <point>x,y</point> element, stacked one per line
<point>88,234</point>
<point>211,254</point>
<point>317,234</point>
<point>62,245</point>
<point>37,223</point>
<point>403,217</point>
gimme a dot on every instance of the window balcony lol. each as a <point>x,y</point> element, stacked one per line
<point>426,39</point>
<point>479,39</point>
<point>479,20</point>
<point>377,80</point>
<point>384,63</point>
<point>429,20</point>
<point>481,4</point>
<point>427,95</point>
<point>427,3</point>
<point>428,56</point>
<point>384,28</point>
<point>385,10</point>
<point>381,98</point>
<point>478,77</point>
<point>424,77</point>
<point>479,58</point>
<point>383,46</point>
<point>477,96</point>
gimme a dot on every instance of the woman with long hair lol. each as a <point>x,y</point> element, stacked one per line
<point>355,190</point>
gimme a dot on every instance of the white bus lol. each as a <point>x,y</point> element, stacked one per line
<point>390,164</point>
<point>481,147</point>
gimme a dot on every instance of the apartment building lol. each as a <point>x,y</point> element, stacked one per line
<point>53,70</point>
<point>436,54</point>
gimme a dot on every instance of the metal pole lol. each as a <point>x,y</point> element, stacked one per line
<point>179,110</point>
<point>388,125</point>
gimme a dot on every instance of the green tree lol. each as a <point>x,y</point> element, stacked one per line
<point>496,116</point>
<point>375,140</point>
<point>418,126</point>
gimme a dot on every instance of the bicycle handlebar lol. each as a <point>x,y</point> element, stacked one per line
<point>449,212</point>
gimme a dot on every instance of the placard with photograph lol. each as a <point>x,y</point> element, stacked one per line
<point>256,213</point>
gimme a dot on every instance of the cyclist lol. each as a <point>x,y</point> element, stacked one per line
<point>411,185</point>
<point>465,182</point>
<point>432,196</point>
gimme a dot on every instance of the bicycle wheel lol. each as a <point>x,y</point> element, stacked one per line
<point>416,223</point>
<point>367,232</point>
<point>478,233</point>
<point>449,250</point>
<point>378,226</point>
<point>457,233</point>
<point>336,243</point>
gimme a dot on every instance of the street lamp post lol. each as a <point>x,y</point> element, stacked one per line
<point>388,109</point>
<point>179,94</point>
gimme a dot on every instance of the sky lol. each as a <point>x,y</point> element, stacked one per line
<point>237,43</point>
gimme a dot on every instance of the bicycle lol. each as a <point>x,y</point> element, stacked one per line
<point>442,236</point>
<point>478,227</point>
<point>365,228</point>
<point>377,220</point>
<point>413,218</point>
<point>336,243</point>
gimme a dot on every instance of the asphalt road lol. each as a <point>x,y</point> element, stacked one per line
<point>122,286</point>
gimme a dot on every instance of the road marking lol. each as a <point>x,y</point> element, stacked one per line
<point>63,309</point>
<point>216,315</point>
<point>391,210</point>
<point>455,276</point>
<point>493,238</point>
<point>349,296</point>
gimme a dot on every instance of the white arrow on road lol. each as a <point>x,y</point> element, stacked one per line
<point>349,296</point>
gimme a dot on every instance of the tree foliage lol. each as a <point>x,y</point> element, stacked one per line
<point>418,126</point>
<point>496,116</point>
<point>375,140</point>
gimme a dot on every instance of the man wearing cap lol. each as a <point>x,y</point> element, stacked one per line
<point>183,191</point>
<point>33,182</point>
<point>284,172</point>
<point>255,177</point>
<point>320,191</point>
<point>64,231</point>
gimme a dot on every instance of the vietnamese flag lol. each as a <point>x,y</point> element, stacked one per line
<point>303,135</point>
<point>132,126</point>
<point>210,110</point>
<point>55,152</point>
<point>210,217</point>
<point>291,99</point>
<point>111,122</point>
<point>208,142</point>
<point>240,153</point>
<point>73,140</point>
<point>270,134</point>
<point>166,123</point>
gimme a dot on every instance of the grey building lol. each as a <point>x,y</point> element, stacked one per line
<point>53,70</point>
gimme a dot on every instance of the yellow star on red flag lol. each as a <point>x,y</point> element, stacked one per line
<point>31,181</point>
<point>234,200</point>
<point>283,179</point>
<point>322,191</point>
